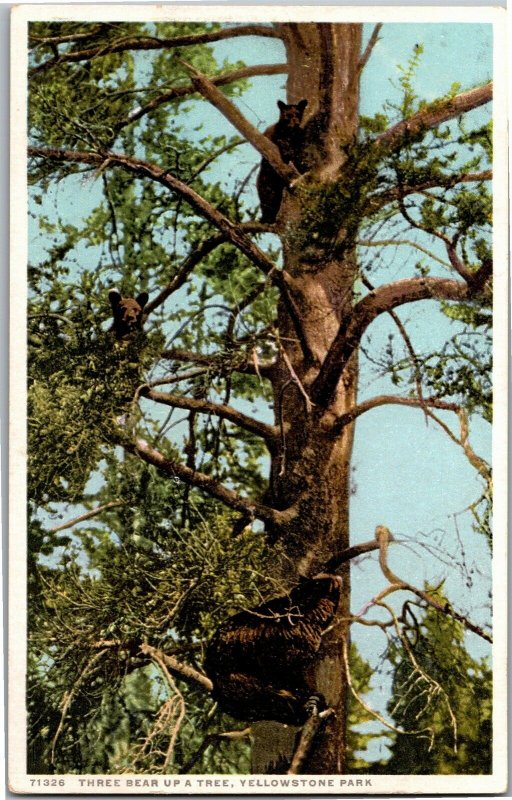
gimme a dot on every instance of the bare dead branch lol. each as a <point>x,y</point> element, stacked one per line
<point>296,380</point>
<point>423,732</point>
<point>70,696</point>
<point>384,400</point>
<point>168,716</point>
<point>433,686</point>
<point>369,47</point>
<point>476,461</point>
<point>268,432</point>
<point>177,668</point>
<point>384,536</point>
<point>155,43</point>
<point>306,739</point>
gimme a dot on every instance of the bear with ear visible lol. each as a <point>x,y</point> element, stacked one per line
<point>288,135</point>
<point>262,662</point>
<point>128,312</point>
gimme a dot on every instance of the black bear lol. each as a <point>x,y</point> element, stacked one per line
<point>288,135</point>
<point>262,661</point>
<point>128,312</point>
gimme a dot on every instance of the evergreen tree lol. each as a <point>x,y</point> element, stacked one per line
<point>203,464</point>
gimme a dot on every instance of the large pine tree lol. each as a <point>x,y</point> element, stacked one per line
<point>162,440</point>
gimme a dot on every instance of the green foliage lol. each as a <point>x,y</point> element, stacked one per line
<point>439,687</point>
<point>359,738</point>
<point>82,381</point>
<point>406,81</point>
<point>143,577</point>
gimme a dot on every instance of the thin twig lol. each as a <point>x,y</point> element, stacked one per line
<point>88,514</point>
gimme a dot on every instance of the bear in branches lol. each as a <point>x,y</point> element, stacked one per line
<point>262,661</point>
<point>288,135</point>
<point>128,312</point>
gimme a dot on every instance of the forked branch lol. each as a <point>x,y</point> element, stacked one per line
<point>252,508</point>
<point>262,143</point>
<point>383,299</point>
<point>270,433</point>
<point>384,536</point>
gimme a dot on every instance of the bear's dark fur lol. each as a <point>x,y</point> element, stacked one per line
<point>288,135</point>
<point>128,312</point>
<point>262,661</point>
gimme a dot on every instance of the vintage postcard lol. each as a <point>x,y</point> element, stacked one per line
<point>258,318</point>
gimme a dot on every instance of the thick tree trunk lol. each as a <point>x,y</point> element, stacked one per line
<point>313,467</point>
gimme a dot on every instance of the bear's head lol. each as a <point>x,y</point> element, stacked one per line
<point>128,312</point>
<point>291,114</point>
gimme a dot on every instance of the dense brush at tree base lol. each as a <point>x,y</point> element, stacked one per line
<point>152,627</point>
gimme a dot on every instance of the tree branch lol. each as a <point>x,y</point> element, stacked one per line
<point>88,514</point>
<point>408,344</point>
<point>384,536</point>
<point>383,400</point>
<point>377,201</point>
<point>369,47</point>
<point>233,233</point>
<point>182,91</point>
<point>144,169</point>
<point>155,43</point>
<point>177,668</point>
<point>200,480</point>
<point>475,280</point>
<point>70,37</point>
<point>262,143</point>
<point>191,261</point>
<point>381,300</point>
<point>434,114</point>
<point>306,739</point>
<point>219,361</point>
<point>268,432</point>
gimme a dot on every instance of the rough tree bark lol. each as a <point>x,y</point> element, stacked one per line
<point>311,467</point>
